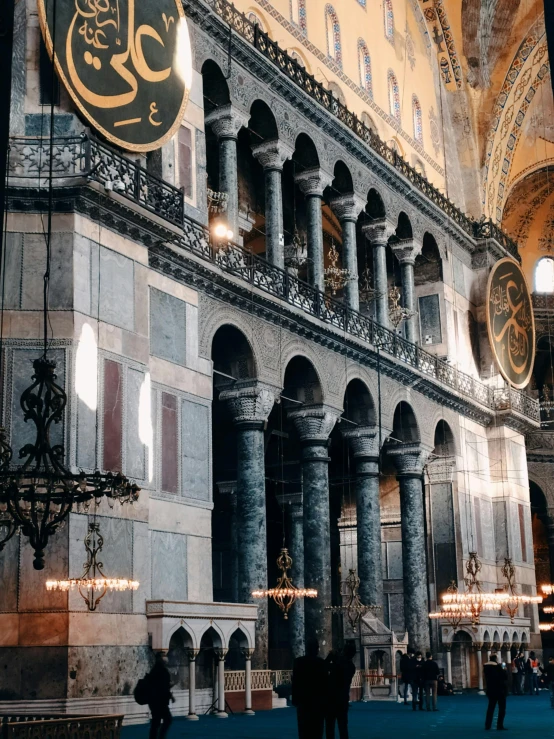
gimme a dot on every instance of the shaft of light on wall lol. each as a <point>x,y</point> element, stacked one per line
<point>146,432</point>
<point>86,368</point>
<point>183,54</point>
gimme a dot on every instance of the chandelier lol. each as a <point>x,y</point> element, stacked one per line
<point>93,584</point>
<point>38,495</point>
<point>217,201</point>
<point>335,277</point>
<point>285,594</point>
<point>509,599</point>
<point>397,313</point>
<point>451,609</point>
<point>296,253</point>
<point>352,604</point>
<point>366,292</point>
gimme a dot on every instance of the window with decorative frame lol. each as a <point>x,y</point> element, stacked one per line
<point>332,28</point>
<point>364,67</point>
<point>298,14</point>
<point>544,275</point>
<point>417,119</point>
<point>394,96</point>
<point>388,19</point>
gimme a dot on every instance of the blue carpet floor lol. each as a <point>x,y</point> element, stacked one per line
<point>458,717</point>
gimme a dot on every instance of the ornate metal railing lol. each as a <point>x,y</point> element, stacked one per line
<point>281,677</point>
<point>60,726</point>
<point>88,158</point>
<point>252,33</point>
<point>235,680</point>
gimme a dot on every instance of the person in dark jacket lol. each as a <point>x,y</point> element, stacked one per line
<point>496,678</point>
<point>417,682</point>
<point>309,692</point>
<point>341,671</point>
<point>406,672</point>
<point>431,673</point>
<point>159,688</point>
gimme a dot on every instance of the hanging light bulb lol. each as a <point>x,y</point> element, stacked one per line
<point>335,277</point>
<point>397,313</point>
<point>285,594</point>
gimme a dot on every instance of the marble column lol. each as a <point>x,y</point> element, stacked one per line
<point>409,460</point>
<point>221,654</point>
<point>248,681</point>
<point>312,183</point>
<point>364,445</point>
<point>226,122</point>
<point>192,655</point>
<point>250,406</point>
<point>313,425</point>
<point>550,532</point>
<point>378,233</point>
<point>292,503</point>
<point>406,252</point>
<point>479,653</point>
<point>449,664</point>
<point>229,489</point>
<point>347,208</point>
<point>272,155</point>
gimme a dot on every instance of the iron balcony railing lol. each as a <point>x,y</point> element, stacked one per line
<point>86,157</point>
<point>252,33</point>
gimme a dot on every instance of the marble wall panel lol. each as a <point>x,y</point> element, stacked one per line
<point>106,670</point>
<point>82,274</point>
<point>169,441</point>
<point>466,523</point>
<point>34,262</point>
<point>195,451</point>
<point>33,595</point>
<point>396,613</point>
<point>142,562</point>
<point>169,566</point>
<point>430,319</point>
<point>20,679</point>
<point>500,529</point>
<point>117,557</point>
<point>442,513</point>
<point>86,436</point>
<point>200,579</point>
<point>167,327</point>
<point>9,575</point>
<point>487,529</point>
<point>513,522</point>
<point>459,276</point>
<point>13,271</point>
<point>113,416</point>
<point>78,529</point>
<point>394,560</point>
<point>135,461</point>
<point>117,288</point>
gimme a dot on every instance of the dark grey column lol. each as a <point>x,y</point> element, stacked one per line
<point>409,460</point>
<point>406,252</point>
<point>229,488</point>
<point>293,506</point>
<point>272,155</point>
<point>550,520</point>
<point>226,122</point>
<point>314,426</point>
<point>347,209</point>
<point>364,446</point>
<point>378,234</point>
<point>250,408</point>
<point>312,182</point>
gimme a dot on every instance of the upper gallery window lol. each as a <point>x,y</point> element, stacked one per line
<point>418,119</point>
<point>544,275</point>
<point>389,20</point>
<point>394,96</point>
<point>256,20</point>
<point>298,13</point>
<point>364,67</point>
<point>332,28</point>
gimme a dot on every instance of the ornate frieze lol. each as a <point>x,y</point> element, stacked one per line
<point>314,424</point>
<point>378,232</point>
<point>347,207</point>
<point>272,154</point>
<point>313,181</point>
<point>406,250</point>
<point>251,403</point>
<point>226,121</point>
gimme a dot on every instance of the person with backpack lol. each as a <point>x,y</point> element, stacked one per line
<point>532,670</point>
<point>159,694</point>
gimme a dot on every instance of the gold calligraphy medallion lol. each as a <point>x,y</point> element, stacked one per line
<point>510,322</point>
<point>126,64</point>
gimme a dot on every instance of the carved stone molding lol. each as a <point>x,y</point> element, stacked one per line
<point>313,181</point>
<point>441,470</point>
<point>272,154</point>
<point>250,404</point>
<point>408,458</point>
<point>364,441</point>
<point>226,121</point>
<point>378,232</point>
<point>406,250</point>
<point>314,424</point>
<point>347,207</point>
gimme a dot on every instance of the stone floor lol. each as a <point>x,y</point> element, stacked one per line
<point>458,717</point>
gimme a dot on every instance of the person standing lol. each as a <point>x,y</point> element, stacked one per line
<point>406,672</point>
<point>496,678</point>
<point>159,691</point>
<point>533,674</point>
<point>549,674</point>
<point>516,690</point>
<point>431,673</point>
<point>309,692</point>
<point>341,671</point>
<point>417,684</point>
<point>521,672</point>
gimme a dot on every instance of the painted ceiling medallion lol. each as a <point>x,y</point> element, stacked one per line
<point>127,65</point>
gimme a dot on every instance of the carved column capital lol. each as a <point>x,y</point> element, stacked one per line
<point>347,207</point>
<point>272,154</point>
<point>293,503</point>
<point>313,181</point>
<point>220,653</point>
<point>441,470</point>
<point>409,458</point>
<point>406,250</point>
<point>192,654</point>
<point>314,424</point>
<point>226,121</point>
<point>251,404</point>
<point>363,441</point>
<point>247,652</point>
<point>378,232</point>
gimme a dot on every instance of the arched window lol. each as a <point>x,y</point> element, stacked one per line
<point>364,67</point>
<point>332,28</point>
<point>255,19</point>
<point>389,20</point>
<point>544,275</point>
<point>298,13</point>
<point>297,58</point>
<point>394,96</point>
<point>369,122</point>
<point>418,119</point>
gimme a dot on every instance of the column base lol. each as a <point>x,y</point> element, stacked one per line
<point>249,712</point>
<point>221,714</point>
<point>192,717</point>
<point>481,692</point>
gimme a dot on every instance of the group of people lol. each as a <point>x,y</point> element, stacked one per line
<point>321,691</point>
<point>527,674</point>
<point>421,676</point>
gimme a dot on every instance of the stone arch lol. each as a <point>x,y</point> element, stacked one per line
<point>232,354</point>
<point>405,427</point>
<point>505,638</point>
<point>364,68</point>
<point>444,441</point>
<point>301,381</point>
<point>295,347</point>
<point>306,153</point>
<point>238,640</point>
<point>215,86</point>
<point>262,124</point>
<point>336,91</point>
<point>486,637</point>
<point>332,32</point>
<point>177,658</point>
<point>359,406</point>
<point>393,90</point>
<point>188,632</point>
<point>368,121</point>
<point>257,19</point>
<point>342,181</point>
<point>404,226</point>
<point>375,207</point>
<point>515,638</point>
<point>428,263</point>
<point>212,632</point>
<point>496,638</point>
